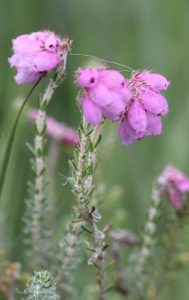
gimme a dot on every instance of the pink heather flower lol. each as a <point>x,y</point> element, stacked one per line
<point>36,54</point>
<point>58,131</point>
<point>175,185</point>
<point>142,115</point>
<point>105,94</point>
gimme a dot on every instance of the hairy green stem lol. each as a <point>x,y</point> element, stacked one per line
<point>97,257</point>
<point>150,229</point>
<point>40,168</point>
<point>82,171</point>
<point>139,283</point>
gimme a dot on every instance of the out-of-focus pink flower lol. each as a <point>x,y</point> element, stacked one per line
<point>175,185</point>
<point>58,131</point>
<point>142,114</point>
<point>36,54</point>
<point>105,94</point>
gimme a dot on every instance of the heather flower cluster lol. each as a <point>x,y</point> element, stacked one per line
<point>60,132</point>
<point>136,104</point>
<point>142,116</point>
<point>106,94</point>
<point>175,186</point>
<point>36,54</point>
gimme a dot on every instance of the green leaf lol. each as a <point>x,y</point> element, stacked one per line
<point>30,148</point>
<point>43,106</point>
<point>89,132</point>
<point>39,152</point>
<point>98,141</point>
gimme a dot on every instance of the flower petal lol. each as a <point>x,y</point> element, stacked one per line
<point>115,81</point>
<point>154,124</point>
<point>127,134</point>
<point>101,95</point>
<point>125,94</point>
<point>112,79</point>
<point>164,105</point>
<point>113,110</point>
<point>157,81</point>
<point>137,117</point>
<point>45,61</point>
<point>26,45</point>
<point>23,76</point>
<point>92,112</point>
<point>87,78</point>
<point>155,103</point>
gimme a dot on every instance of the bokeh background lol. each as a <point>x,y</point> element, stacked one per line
<point>146,34</point>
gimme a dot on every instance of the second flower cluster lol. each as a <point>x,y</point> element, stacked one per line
<point>136,103</point>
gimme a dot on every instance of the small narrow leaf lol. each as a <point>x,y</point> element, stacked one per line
<point>98,141</point>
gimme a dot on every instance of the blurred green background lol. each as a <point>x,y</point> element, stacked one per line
<point>150,34</point>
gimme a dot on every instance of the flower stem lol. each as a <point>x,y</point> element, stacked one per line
<point>83,169</point>
<point>150,230</point>
<point>40,168</point>
<point>82,172</point>
<point>37,194</point>
<point>12,136</point>
<point>148,239</point>
<point>68,255</point>
<point>97,257</point>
